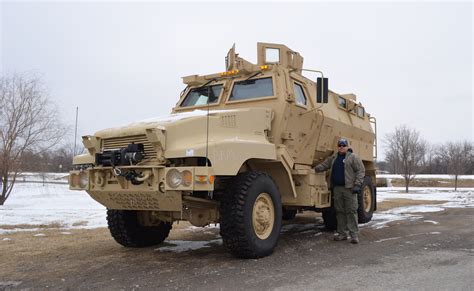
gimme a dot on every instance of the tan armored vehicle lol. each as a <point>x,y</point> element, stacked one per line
<point>238,149</point>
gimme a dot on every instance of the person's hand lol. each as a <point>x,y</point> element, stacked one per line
<point>356,189</point>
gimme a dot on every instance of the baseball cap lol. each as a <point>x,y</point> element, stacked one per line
<point>343,142</point>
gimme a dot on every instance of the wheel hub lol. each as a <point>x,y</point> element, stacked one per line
<point>367,199</point>
<point>263,216</point>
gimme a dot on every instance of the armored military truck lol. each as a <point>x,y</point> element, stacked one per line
<point>238,149</point>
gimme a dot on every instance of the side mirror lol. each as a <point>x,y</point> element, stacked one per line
<point>322,90</point>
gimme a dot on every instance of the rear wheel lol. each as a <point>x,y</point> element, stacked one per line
<point>366,201</point>
<point>125,228</point>
<point>250,216</point>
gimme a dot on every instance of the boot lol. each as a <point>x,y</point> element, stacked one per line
<point>354,239</point>
<point>339,237</point>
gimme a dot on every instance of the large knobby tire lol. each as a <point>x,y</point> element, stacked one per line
<point>127,231</point>
<point>250,216</point>
<point>366,200</point>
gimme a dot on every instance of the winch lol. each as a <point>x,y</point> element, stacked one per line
<point>130,155</point>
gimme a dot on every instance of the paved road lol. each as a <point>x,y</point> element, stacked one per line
<point>411,255</point>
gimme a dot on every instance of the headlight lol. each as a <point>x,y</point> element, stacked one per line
<point>174,178</point>
<point>84,180</point>
<point>187,178</point>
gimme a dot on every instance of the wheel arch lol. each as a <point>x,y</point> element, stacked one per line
<point>280,173</point>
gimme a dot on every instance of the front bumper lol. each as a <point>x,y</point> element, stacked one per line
<point>111,188</point>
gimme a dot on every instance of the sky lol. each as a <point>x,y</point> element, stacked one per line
<point>408,62</point>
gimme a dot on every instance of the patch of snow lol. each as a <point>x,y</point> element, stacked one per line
<point>39,234</point>
<point>461,198</point>
<point>162,120</point>
<point>454,199</point>
<point>200,228</point>
<point>386,239</point>
<point>415,209</point>
<point>435,232</point>
<point>179,246</point>
<point>427,176</point>
<point>65,232</point>
<point>35,204</point>
<point>431,221</point>
<point>6,239</point>
<point>380,220</point>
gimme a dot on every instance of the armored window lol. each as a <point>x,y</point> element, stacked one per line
<point>202,95</point>
<point>342,102</point>
<point>299,95</point>
<point>360,111</point>
<point>249,89</point>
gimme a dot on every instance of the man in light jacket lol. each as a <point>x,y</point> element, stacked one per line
<point>347,176</point>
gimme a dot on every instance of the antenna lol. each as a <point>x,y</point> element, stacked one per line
<point>207,124</point>
<point>209,193</point>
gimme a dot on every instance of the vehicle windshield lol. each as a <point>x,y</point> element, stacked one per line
<point>202,96</point>
<point>249,89</point>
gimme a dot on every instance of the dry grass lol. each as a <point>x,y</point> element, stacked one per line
<point>80,223</point>
<point>432,182</point>
<point>448,183</point>
<point>393,203</point>
<point>32,226</point>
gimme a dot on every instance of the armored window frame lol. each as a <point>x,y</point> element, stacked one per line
<point>342,102</point>
<point>229,101</point>
<point>216,103</point>
<point>360,111</point>
<point>300,86</point>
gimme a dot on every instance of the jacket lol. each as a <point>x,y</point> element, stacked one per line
<point>354,170</point>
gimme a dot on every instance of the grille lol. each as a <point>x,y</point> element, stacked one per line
<point>228,121</point>
<point>116,143</point>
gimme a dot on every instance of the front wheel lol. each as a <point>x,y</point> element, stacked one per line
<point>250,216</point>
<point>366,200</point>
<point>126,229</point>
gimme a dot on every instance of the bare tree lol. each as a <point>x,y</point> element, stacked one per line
<point>430,155</point>
<point>458,157</point>
<point>407,150</point>
<point>28,123</point>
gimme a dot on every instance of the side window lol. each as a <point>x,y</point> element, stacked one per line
<point>299,95</point>
<point>342,102</point>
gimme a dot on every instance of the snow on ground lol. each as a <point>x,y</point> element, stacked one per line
<point>35,204</point>
<point>421,176</point>
<point>463,198</point>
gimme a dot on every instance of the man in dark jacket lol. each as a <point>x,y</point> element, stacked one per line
<point>347,176</point>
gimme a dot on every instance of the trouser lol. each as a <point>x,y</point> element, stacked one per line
<point>345,204</point>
